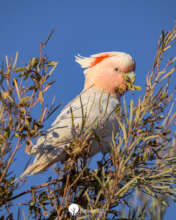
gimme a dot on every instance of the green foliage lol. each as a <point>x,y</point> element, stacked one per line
<point>21,89</point>
<point>135,181</point>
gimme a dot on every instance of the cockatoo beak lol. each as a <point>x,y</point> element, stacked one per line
<point>132,76</point>
<point>130,79</point>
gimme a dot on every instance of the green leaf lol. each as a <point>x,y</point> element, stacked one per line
<point>41,98</point>
<point>52,63</point>
<point>20,69</point>
<point>15,61</point>
<point>34,61</point>
<point>24,99</point>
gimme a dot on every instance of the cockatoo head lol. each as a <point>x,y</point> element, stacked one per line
<point>111,72</point>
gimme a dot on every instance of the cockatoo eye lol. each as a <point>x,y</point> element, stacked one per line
<point>117,69</point>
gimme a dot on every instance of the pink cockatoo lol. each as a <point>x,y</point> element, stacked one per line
<point>106,80</point>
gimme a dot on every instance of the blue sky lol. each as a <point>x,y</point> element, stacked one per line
<point>84,27</point>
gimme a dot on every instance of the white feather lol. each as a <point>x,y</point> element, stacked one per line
<point>85,62</point>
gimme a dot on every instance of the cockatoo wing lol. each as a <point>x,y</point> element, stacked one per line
<point>91,109</point>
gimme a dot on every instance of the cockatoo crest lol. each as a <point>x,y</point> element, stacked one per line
<point>88,62</point>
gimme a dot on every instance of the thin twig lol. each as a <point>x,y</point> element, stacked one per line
<point>10,160</point>
<point>43,44</point>
<point>35,188</point>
